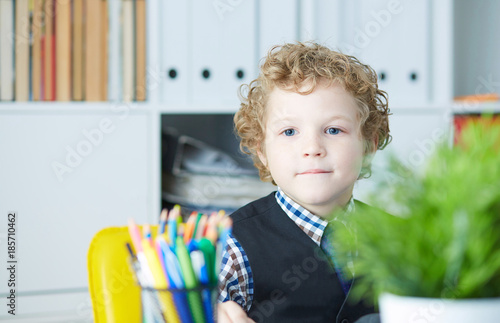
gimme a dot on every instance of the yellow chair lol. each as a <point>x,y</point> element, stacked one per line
<point>113,289</point>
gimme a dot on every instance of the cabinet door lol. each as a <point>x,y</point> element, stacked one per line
<point>66,177</point>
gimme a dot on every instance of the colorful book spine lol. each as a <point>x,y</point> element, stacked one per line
<point>77,58</point>
<point>48,52</point>
<point>36,59</point>
<point>104,51</point>
<point>63,50</point>
<point>22,50</point>
<point>140,49</point>
<point>74,50</point>
<point>93,53</point>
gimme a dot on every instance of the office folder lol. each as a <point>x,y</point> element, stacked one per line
<point>306,18</point>
<point>329,21</point>
<point>175,57</point>
<point>6,50</point>
<point>419,46</point>
<point>272,33</point>
<point>206,26</point>
<point>394,40</point>
<point>223,51</point>
<point>415,31</point>
<point>237,57</point>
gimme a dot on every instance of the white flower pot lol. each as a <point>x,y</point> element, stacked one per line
<point>404,309</point>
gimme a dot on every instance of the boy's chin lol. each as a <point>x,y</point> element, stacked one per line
<point>327,203</point>
<point>319,206</point>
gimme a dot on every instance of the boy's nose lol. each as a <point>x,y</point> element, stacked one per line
<point>313,147</point>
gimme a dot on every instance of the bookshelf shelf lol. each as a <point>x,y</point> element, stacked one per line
<point>70,108</point>
<point>195,109</point>
<point>73,107</point>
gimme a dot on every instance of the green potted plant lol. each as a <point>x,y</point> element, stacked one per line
<point>437,258</point>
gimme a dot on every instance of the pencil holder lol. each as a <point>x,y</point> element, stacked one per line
<point>195,305</point>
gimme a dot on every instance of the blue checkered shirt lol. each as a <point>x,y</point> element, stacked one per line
<point>235,277</point>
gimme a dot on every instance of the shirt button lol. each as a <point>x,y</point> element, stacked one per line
<point>345,321</point>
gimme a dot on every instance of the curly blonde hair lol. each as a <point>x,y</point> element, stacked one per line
<point>289,67</point>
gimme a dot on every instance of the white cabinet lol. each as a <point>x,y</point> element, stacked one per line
<point>67,175</point>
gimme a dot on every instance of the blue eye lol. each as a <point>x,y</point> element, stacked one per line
<point>289,132</point>
<point>333,131</point>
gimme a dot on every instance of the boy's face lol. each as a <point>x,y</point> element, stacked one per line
<point>313,146</point>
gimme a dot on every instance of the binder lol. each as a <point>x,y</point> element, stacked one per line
<point>6,50</point>
<point>394,40</point>
<point>412,81</point>
<point>237,57</point>
<point>223,52</point>
<point>114,52</point>
<point>206,25</point>
<point>63,50</point>
<point>307,20</point>
<point>329,23</point>
<point>175,72</point>
<point>22,51</point>
<point>272,33</point>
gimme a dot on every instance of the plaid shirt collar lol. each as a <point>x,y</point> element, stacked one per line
<point>311,224</point>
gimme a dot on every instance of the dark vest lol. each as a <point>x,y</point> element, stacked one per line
<point>293,281</point>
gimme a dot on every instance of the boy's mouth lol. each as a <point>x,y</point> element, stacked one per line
<point>314,171</point>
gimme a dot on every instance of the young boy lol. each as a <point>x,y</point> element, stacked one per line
<point>312,122</point>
